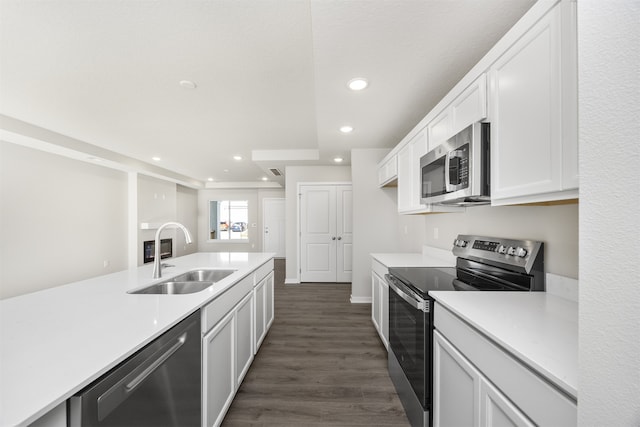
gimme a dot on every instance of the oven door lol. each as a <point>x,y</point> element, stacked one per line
<point>410,338</point>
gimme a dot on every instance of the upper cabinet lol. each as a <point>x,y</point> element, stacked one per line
<point>467,108</point>
<point>533,100</point>
<point>408,174</point>
<point>526,87</point>
<point>388,172</point>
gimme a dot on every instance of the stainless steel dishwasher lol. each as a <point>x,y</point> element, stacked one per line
<point>157,386</point>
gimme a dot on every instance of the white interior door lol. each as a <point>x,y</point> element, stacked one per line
<point>273,217</point>
<point>344,231</point>
<point>326,233</point>
<point>318,233</point>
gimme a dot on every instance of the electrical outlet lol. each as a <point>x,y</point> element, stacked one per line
<point>105,263</point>
<point>406,229</point>
<point>436,232</point>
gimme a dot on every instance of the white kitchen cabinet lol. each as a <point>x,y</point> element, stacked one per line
<point>263,295</point>
<point>456,387</point>
<point>475,378</point>
<point>244,337</point>
<point>388,172</point>
<point>533,113</point>
<point>380,301</point>
<point>229,339</point>
<point>498,411</point>
<point>218,370</point>
<point>465,397</point>
<point>440,128</point>
<point>469,107</point>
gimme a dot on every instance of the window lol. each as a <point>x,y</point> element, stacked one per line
<point>228,219</point>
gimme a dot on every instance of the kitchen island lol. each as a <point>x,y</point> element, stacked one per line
<point>57,341</point>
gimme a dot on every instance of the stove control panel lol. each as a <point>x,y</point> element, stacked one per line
<point>516,253</point>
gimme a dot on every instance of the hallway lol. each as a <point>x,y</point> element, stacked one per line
<point>321,364</point>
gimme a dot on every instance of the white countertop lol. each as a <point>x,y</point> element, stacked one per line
<point>57,341</point>
<point>430,257</point>
<point>539,329</point>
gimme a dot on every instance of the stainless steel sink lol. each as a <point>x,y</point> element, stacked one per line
<point>186,283</point>
<point>208,275</point>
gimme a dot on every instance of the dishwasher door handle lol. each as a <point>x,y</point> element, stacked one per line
<point>119,392</point>
<point>155,364</point>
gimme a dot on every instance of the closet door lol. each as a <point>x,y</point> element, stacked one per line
<point>326,233</point>
<point>318,240</point>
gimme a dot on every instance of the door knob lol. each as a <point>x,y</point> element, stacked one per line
<point>339,238</point>
<point>333,238</point>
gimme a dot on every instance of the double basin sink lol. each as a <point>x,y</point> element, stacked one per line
<point>186,283</point>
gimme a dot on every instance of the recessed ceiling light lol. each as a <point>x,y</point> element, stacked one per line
<point>188,84</point>
<point>337,159</point>
<point>210,179</point>
<point>264,178</point>
<point>237,157</point>
<point>346,129</point>
<point>156,158</point>
<point>358,83</point>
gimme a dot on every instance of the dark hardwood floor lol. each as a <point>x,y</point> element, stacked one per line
<point>321,364</point>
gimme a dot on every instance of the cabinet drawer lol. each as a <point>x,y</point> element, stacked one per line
<point>263,271</point>
<point>538,399</point>
<point>219,307</point>
<point>379,268</point>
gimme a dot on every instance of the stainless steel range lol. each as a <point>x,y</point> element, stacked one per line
<point>483,264</point>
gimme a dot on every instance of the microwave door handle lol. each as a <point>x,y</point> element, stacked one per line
<point>447,177</point>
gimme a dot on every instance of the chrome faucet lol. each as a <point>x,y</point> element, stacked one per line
<point>157,265</point>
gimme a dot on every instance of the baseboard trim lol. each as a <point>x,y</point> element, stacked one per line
<point>291,281</point>
<point>360,300</point>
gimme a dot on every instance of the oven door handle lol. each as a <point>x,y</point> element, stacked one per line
<point>417,304</point>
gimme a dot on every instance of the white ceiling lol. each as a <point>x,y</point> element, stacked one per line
<point>270,74</point>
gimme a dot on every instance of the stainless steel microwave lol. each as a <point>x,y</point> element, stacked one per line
<point>457,171</point>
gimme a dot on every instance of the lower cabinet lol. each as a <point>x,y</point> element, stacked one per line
<point>464,397</point>
<point>477,383</point>
<point>218,373</point>
<point>233,326</point>
<point>263,295</point>
<point>380,302</point>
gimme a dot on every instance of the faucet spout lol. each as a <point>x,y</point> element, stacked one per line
<point>157,265</point>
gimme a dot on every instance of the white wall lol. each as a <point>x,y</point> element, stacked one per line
<point>187,215</point>
<point>293,176</point>
<point>375,219</point>
<point>156,203</point>
<point>60,219</point>
<point>609,132</point>
<point>255,198</point>
<point>556,226</point>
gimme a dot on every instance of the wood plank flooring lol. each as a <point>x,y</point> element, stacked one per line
<point>321,364</point>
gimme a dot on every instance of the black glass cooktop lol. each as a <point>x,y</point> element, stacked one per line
<point>425,279</point>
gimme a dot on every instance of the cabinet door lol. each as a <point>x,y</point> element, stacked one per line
<point>456,387</point>
<point>260,295</point>
<point>218,371</point>
<point>375,301</point>
<point>526,131</point>
<point>497,411</point>
<point>388,172</point>
<point>269,302</point>
<point>470,106</point>
<point>440,128</point>
<point>409,174</point>
<point>244,337</point>
<point>384,312</point>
